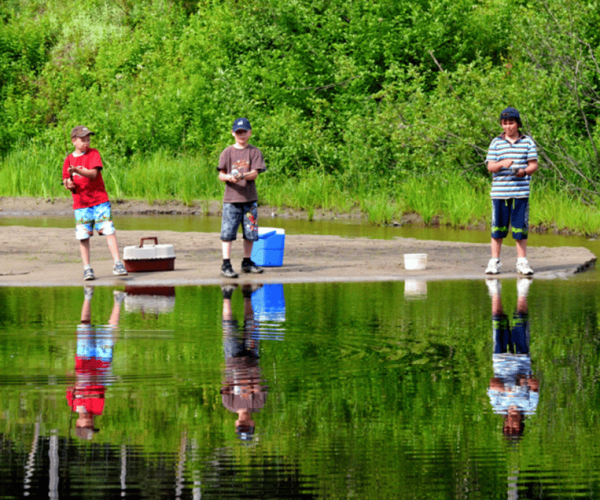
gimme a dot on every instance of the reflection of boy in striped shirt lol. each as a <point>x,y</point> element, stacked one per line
<point>513,390</point>
<point>512,158</point>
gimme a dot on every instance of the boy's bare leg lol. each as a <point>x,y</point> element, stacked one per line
<point>248,244</point>
<point>84,247</point>
<point>497,305</point>
<point>86,312</point>
<point>496,247</point>
<point>226,247</point>
<point>521,248</point>
<point>113,246</point>
<point>115,314</point>
<point>227,311</point>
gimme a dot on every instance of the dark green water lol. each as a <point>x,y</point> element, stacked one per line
<point>357,390</point>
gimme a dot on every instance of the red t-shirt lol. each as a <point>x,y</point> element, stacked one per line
<point>88,192</point>
<point>90,397</point>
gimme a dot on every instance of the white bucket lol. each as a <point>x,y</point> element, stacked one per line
<point>415,261</point>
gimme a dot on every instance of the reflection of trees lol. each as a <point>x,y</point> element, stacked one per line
<point>352,415</point>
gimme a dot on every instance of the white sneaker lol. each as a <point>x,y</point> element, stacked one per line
<point>523,285</point>
<point>523,268</point>
<point>88,292</point>
<point>494,287</point>
<point>493,267</point>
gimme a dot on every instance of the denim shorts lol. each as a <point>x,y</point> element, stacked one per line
<point>235,214</point>
<point>513,212</point>
<point>98,217</point>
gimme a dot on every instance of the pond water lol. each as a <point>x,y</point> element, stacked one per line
<point>321,390</point>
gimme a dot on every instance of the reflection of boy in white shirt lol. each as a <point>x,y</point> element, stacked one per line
<point>513,391</point>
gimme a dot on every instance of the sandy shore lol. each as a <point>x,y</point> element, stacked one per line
<point>50,256</point>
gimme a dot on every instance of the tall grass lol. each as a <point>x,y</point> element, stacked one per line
<point>456,202</point>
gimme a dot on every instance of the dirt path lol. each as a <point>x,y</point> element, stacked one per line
<point>50,256</point>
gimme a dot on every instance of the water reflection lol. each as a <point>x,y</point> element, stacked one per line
<point>150,300</point>
<point>370,396</point>
<point>415,289</point>
<point>513,390</point>
<point>244,391</point>
<point>93,361</point>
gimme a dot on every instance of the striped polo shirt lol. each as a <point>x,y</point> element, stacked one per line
<point>505,183</point>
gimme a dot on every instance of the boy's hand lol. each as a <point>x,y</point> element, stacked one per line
<point>69,184</point>
<point>72,170</point>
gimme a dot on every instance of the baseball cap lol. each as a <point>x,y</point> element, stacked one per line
<point>245,432</point>
<point>510,113</point>
<point>81,131</point>
<point>241,123</point>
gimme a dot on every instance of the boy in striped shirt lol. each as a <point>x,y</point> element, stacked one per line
<point>512,158</point>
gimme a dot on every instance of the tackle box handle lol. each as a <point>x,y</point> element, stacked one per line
<point>149,238</point>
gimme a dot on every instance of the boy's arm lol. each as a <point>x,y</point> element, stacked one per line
<point>532,166</point>
<point>225,177</point>
<point>496,166</point>
<point>91,173</point>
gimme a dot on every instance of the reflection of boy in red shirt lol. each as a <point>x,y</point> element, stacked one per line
<point>92,366</point>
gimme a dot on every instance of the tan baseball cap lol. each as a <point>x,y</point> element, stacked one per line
<point>81,131</point>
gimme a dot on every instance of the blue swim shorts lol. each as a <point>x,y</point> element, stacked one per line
<point>235,214</point>
<point>513,212</point>
<point>98,217</point>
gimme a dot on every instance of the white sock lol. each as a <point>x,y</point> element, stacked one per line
<point>521,259</point>
<point>87,266</point>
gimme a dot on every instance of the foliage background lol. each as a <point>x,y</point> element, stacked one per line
<point>373,94</point>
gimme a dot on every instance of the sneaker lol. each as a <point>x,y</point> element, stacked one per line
<point>227,290</point>
<point>119,296</point>
<point>88,274</point>
<point>119,269</point>
<point>88,292</point>
<point>523,285</point>
<point>251,267</point>
<point>494,287</point>
<point>493,267</point>
<point>523,268</point>
<point>228,272</point>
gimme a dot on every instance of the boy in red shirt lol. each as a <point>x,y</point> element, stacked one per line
<point>82,175</point>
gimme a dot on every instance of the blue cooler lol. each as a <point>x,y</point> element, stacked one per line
<point>268,250</point>
<point>268,303</point>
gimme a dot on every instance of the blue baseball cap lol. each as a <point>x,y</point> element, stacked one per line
<point>511,114</point>
<point>241,124</point>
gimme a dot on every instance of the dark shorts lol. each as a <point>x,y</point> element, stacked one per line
<point>235,214</point>
<point>513,212</point>
<point>513,340</point>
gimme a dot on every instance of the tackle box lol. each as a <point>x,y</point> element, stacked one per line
<point>149,256</point>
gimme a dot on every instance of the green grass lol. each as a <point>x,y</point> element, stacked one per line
<point>454,201</point>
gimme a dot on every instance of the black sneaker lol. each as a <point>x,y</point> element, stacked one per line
<point>227,290</point>
<point>251,267</point>
<point>228,272</point>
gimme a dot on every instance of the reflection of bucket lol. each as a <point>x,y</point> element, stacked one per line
<point>415,288</point>
<point>415,261</point>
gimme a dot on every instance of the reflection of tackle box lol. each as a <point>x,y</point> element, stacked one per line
<point>150,299</point>
<point>268,250</point>
<point>149,257</point>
